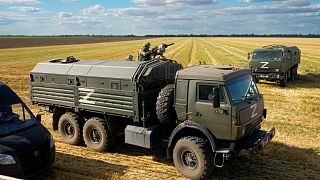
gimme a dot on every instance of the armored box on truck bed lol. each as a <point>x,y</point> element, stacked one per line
<point>121,88</point>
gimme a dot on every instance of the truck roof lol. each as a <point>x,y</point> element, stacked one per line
<point>109,69</point>
<point>94,68</point>
<point>277,47</point>
<point>211,72</point>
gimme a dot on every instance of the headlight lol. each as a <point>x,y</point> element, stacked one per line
<point>51,141</point>
<point>6,159</point>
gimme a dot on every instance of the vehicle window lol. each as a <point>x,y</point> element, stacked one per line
<point>115,86</point>
<point>14,117</point>
<point>267,55</point>
<point>242,88</point>
<point>206,93</point>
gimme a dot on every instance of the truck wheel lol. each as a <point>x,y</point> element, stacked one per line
<point>164,106</point>
<point>292,74</point>
<point>193,157</point>
<point>284,81</point>
<point>70,128</point>
<point>96,135</point>
<point>295,72</point>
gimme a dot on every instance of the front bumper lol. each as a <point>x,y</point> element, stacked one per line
<point>22,170</point>
<point>270,76</point>
<point>257,141</point>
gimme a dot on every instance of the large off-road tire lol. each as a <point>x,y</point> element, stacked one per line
<point>193,157</point>
<point>70,128</point>
<point>284,81</point>
<point>96,135</point>
<point>294,73</point>
<point>164,106</point>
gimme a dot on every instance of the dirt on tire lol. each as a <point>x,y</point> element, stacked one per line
<point>202,153</point>
<point>73,123</point>
<point>96,135</point>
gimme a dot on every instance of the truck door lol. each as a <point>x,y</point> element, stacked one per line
<point>217,120</point>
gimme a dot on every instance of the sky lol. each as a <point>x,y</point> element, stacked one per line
<point>141,17</point>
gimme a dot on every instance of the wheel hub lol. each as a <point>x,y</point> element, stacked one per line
<point>189,159</point>
<point>69,130</point>
<point>95,135</point>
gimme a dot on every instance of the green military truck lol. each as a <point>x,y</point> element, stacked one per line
<point>275,62</point>
<point>205,113</point>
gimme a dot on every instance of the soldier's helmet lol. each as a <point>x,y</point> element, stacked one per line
<point>146,45</point>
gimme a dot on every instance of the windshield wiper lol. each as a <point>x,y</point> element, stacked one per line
<point>243,98</point>
<point>246,98</point>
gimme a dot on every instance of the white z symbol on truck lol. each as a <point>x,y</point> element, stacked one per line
<point>254,112</point>
<point>85,98</point>
<point>264,66</point>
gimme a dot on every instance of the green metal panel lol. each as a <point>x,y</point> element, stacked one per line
<point>123,88</point>
<point>214,119</point>
<point>181,99</point>
<point>211,72</point>
<point>52,94</point>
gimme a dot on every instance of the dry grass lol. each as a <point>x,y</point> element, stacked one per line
<point>294,111</point>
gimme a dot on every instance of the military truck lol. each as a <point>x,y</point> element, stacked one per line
<point>275,62</point>
<point>205,113</point>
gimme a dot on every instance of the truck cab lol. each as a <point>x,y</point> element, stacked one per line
<point>275,62</point>
<point>224,100</point>
<point>220,105</point>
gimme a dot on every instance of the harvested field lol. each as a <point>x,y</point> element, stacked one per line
<point>16,42</point>
<point>294,111</point>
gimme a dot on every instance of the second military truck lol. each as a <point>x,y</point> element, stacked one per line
<point>275,62</point>
<point>205,112</point>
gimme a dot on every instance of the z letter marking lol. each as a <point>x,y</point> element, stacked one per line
<point>254,107</point>
<point>85,98</point>
<point>264,66</point>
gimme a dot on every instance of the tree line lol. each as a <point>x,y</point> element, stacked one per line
<point>176,35</point>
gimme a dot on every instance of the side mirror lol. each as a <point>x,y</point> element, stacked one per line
<point>216,98</point>
<point>38,117</point>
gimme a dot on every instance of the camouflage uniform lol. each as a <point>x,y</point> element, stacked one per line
<point>145,53</point>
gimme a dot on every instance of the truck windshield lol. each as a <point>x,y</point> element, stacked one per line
<point>15,117</point>
<point>242,88</point>
<point>267,55</point>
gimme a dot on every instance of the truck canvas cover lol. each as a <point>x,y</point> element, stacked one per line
<point>106,86</point>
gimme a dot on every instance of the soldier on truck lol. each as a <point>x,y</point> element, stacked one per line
<point>156,53</point>
<point>145,53</point>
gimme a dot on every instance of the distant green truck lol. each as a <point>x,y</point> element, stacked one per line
<point>275,62</point>
<point>205,113</point>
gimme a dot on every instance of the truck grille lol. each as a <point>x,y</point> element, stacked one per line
<point>34,160</point>
<point>253,126</point>
<point>266,70</point>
